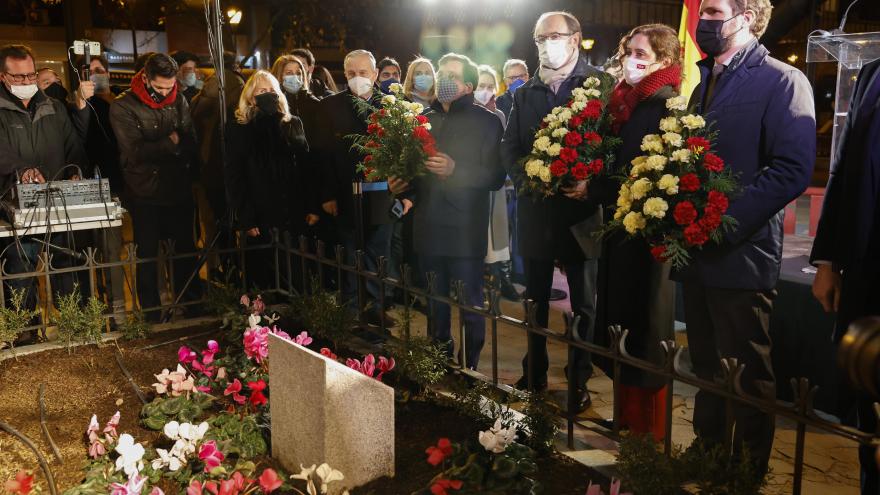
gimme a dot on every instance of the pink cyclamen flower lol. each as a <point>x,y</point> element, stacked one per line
<point>257,397</point>
<point>208,354</point>
<point>328,354</point>
<point>133,486</point>
<point>203,368</point>
<point>203,389</point>
<point>284,335</point>
<point>302,339</point>
<point>110,428</point>
<point>353,364</point>
<point>96,446</point>
<point>368,366</point>
<point>186,355</point>
<point>385,365</point>
<point>194,488</point>
<point>157,491</point>
<point>256,344</point>
<point>245,300</point>
<point>210,455</point>
<point>259,305</point>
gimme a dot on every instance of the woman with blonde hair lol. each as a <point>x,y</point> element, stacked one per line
<point>418,85</point>
<point>264,182</point>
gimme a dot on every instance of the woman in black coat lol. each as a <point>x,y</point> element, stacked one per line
<point>634,290</point>
<point>265,184</point>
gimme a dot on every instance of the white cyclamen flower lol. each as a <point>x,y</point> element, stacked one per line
<point>328,475</point>
<point>130,455</point>
<point>497,438</point>
<point>168,459</point>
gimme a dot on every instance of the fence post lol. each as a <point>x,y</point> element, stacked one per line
<point>320,254</point>
<point>131,257</point>
<point>572,321</point>
<point>618,337</point>
<point>276,245</point>
<point>431,281</point>
<point>381,273</point>
<point>46,260</point>
<point>405,278</point>
<point>361,287</point>
<point>494,296</point>
<point>459,297</point>
<point>170,253</point>
<point>303,265</point>
<point>340,257</point>
<point>671,351</point>
<point>531,311</point>
<point>731,371</point>
<point>803,403</point>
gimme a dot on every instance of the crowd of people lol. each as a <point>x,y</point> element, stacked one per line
<point>290,165</point>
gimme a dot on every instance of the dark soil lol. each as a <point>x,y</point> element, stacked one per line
<point>88,381</point>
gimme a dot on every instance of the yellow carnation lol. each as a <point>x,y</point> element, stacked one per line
<point>633,222</point>
<point>640,188</point>
<point>677,103</point>
<point>668,183</point>
<point>533,167</point>
<point>592,82</point>
<point>545,174</point>
<point>682,155</point>
<point>655,207</point>
<point>554,149</point>
<point>673,139</point>
<point>652,143</point>
<point>693,122</point>
<point>669,124</point>
<point>542,143</point>
<point>655,162</point>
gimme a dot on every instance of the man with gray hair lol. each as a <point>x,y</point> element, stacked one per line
<point>545,235</point>
<point>515,73</point>
<point>339,117</point>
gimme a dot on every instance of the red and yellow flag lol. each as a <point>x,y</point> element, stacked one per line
<point>691,54</point>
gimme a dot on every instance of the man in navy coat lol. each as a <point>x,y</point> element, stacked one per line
<point>847,245</point>
<point>764,113</point>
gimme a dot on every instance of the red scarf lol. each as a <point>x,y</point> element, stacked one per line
<point>625,98</point>
<point>140,89</point>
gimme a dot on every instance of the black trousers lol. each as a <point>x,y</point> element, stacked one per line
<point>582,294</point>
<point>732,323</point>
<point>154,223</point>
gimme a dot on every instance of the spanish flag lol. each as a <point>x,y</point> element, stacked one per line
<point>691,54</point>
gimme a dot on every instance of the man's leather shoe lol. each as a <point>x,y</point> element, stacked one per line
<point>557,295</point>
<point>523,384</point>
<point>582,400</point>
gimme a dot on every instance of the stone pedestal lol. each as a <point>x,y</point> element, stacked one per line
<point>323,411</point>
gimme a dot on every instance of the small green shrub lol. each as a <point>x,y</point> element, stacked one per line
<point>644,469</point>
<point>135,326</point>
<point>540,423</point>
<point>77,323</point>
<point>419,359</point>
<point>321,314</point>
<point>14,317</point>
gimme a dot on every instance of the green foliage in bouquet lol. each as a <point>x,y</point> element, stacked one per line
<point>321,313</point>
<point>77,323</point>
<point>14,317</point>
<point>237,435</point>
<point>182,409</point>
<point>397,142</point>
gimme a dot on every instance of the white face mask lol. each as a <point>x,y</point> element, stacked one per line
<point>25,92</point>
<point>634,70</point>
<point>553,54</point>
<point>484,96</point>
<point>360,86</point>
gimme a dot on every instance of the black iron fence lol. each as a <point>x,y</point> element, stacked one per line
<point>298,262</point>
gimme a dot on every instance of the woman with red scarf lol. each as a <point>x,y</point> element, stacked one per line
<point>634,290</point>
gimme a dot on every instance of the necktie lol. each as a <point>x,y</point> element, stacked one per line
<point>717,69</point>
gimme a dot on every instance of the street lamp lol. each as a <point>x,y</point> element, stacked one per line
<point>234,16</point>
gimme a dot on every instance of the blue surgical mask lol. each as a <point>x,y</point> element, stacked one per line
<point>385,85</point>
<point>292,83</point>
<point>189,79</point>
<point>199,84</point>
<point>423,82</point>
<point>515,85</point>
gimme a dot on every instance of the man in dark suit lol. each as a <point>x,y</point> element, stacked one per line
<point>544,225</point>
<point>763,112</point>
<point>452,201</point>
<point>339,118</point>
<point>847,245</point>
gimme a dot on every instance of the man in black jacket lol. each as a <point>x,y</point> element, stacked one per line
<point>452,202</point>
<point>544,225</point>
<point>340,117</point>
<point>847,245</point>
<point>158,155</point>
<point>37,142</point>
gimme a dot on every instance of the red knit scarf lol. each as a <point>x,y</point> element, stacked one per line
<point>625,98</point>
<point>140,89</point>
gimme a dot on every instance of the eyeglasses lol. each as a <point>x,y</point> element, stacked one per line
<point>510,79</point>
<point>21,77</point>
<point>551,37</point>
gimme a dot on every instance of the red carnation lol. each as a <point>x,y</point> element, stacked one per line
<point>684,213</point>
<point>596,166</point>
<point>429,148</point>
<point>717,202</point>
<point>698,144</point>
<point>368,159</point>
<point>371,144</point>
<point>713,162</point>
<point>689,183</point>
<point>710,221</point>
<point>593,110</point>
<point>575,122</point>
<point>422,119</point>
<point>558,168</point>
<point>573,139</point>
<point>374,117</point>
<point>659,253</point>
<point>695,235</point>
<point>373,128</point>
<point>580,171</point>
<point>592,138</point>
<point>421,133</point>
<point>568,155</point>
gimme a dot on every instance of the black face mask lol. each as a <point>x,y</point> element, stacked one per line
<point>267,103</point>
<point>709,37</point>
<point>57,91</point>
<point>155,95</point>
